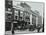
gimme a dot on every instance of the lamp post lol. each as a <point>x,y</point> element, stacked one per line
<point>12,27</point>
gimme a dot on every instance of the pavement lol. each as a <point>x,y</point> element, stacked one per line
<point>20,32</point>
<point>25,32</point>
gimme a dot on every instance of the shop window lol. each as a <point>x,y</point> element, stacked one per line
<point>16,17</point>
<point>7,26</point>
<point>21,18</point>
<point>33,19</point>
<point>27,18</point>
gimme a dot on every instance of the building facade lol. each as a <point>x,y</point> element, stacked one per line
<point>20,15</point>
<point>26,15</point>
<point>8,14</point>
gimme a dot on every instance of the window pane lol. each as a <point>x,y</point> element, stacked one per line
<point>33,19</point>
<point>21,14</point>
<point>16,13</point>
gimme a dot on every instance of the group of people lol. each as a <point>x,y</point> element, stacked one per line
<point>39,28</point>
